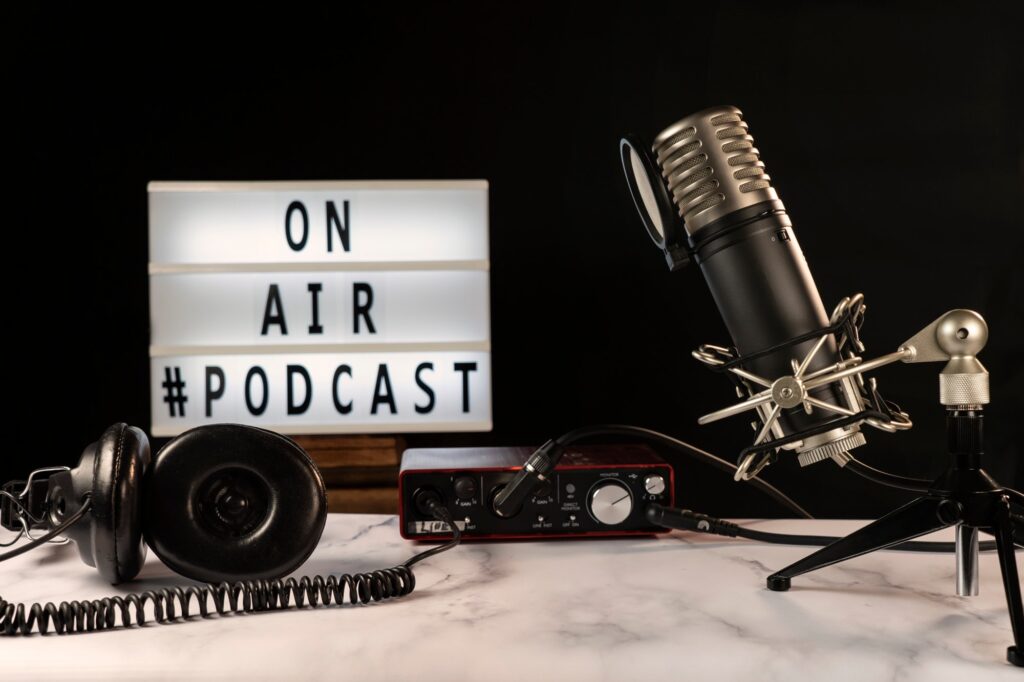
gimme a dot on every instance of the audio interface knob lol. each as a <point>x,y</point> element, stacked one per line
<point>654,484</point>
<point>543,489</point>
<point>465,487</point>
<point>611,503</point>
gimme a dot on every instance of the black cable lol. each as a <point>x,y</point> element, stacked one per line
<point>441,514</point>
<point>581,433</point>
<point>1016,497</point>
<point>59,530</point>
<point>916,485</point>
<point>822,540</point>
<point>684,519</point>
<point>256,595</point>
<point>546,458</point>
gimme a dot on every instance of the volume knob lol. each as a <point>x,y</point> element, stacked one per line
<point>654,484</point>
<point>610,503</point>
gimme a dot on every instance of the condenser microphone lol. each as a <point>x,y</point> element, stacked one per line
<point>705,197</point>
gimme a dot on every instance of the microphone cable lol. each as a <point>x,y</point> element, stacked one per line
<point>547,456</point>
<point>917,485</point>
<point>914,485</point>
<point>684,519</point>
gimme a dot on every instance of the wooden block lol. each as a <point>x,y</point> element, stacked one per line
<point>360,471</point>
<point>360,477</point>
<point>343,442</point>
<point>363,500</point>
<point>358,451</point>
<point>325,459</point>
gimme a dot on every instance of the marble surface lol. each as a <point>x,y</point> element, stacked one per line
<point>677,607</point>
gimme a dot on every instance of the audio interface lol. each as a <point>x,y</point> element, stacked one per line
<point>599,490</point>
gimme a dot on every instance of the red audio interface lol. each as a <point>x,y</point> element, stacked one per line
<point>596,491</point>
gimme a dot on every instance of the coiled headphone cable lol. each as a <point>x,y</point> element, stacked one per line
<point>172,603</point>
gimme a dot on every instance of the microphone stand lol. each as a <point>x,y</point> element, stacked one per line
<point>964,496</point>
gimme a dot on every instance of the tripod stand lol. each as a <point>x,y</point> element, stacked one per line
<point>964,496</point>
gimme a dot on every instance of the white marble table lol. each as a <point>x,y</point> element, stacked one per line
<point>681,607</point>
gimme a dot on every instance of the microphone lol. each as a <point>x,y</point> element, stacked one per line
<point>705,197</point>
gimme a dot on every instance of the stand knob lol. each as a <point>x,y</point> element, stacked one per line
<point>957,337</point>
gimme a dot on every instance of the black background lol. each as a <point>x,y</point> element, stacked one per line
<point>893,134</point>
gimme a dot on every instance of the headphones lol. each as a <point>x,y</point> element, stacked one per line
<point>236,507</point>
<point>217,503</point>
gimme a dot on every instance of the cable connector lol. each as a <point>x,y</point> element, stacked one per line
<point>536,469</point>
<point>684,519</point>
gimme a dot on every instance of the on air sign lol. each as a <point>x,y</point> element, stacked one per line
<point>320,307</point>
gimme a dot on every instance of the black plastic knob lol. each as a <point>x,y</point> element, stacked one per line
<point>465,487</point>
<point>543,489</point>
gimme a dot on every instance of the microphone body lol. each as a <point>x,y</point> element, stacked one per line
<point>764,291</point>
<point>743,240</point>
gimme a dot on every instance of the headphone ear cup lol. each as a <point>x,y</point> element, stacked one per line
<point>227,502</point>
<point>112,471</point>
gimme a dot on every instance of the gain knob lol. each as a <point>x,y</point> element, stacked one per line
<point>610,503</point>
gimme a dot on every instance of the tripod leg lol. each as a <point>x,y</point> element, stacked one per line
<point>1011,583</point>
<point>922,516</point>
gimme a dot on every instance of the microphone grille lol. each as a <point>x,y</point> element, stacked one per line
<point>712,166</point>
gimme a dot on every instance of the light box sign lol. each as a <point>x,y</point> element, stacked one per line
<point>320,307</point>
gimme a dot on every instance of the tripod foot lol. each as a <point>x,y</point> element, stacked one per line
<point>922,516</point>
<point>1004,528</point>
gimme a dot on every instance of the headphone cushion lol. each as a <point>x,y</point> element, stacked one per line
<point>119,463</point>
<point>226,502</point>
